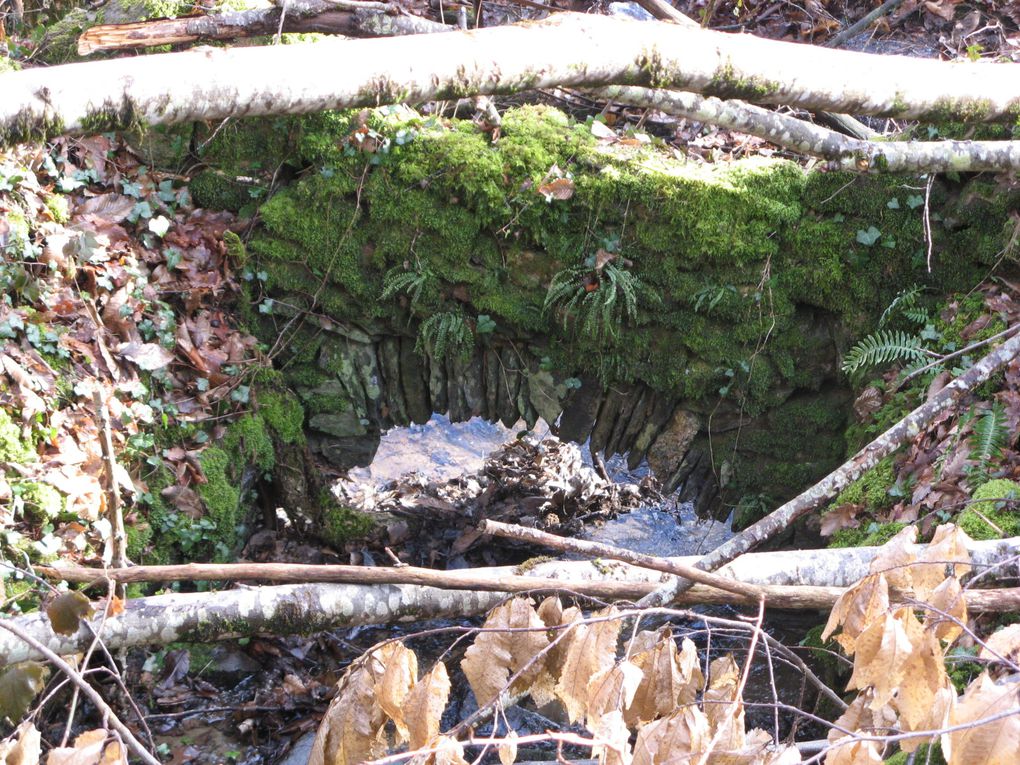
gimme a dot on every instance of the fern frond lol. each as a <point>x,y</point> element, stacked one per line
<point>420,285</point>
<point>443,334</point>
<point>988,439</point>
<point>906,299</point>
<point>883,347</point>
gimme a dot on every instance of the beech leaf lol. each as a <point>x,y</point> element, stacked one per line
<point>592,649</point>
<point>352,729</point>
<point>400,671</point>
<point>146,356</point>
<point>23,747</point>
<point>993,743</point>
<point>424,706</point>
<point>496,655</point>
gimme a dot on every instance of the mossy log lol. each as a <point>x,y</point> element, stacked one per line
<point>216,84</point>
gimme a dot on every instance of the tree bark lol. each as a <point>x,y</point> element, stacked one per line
<point>826,489</point>
<point>352,19</point>
<point>843,153</point>
<point>560,51</point>
<point>287,609</point>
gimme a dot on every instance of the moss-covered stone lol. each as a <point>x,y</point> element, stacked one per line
<point>41,501</point>
<point>875,535</point>
<point>340,524</point>
<point>751,270</point>
<point>282,412</point>
<point>992,512</point>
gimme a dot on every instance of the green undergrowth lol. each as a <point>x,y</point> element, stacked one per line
<point>747,270</point>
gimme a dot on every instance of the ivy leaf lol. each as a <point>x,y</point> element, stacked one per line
<point>893,204</point>
<point>19,685</point>
<point>869,237</point>
<point>914,201</point>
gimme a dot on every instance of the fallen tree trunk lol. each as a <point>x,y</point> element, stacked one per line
<point>214,84</point>
<point>826,489</point>
<point>350,18</point>
<point>287,609</point>
<point>843,152</point>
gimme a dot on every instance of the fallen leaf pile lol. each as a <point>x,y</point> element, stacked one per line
<point>113,283</point>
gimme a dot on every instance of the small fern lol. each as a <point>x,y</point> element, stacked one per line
<point>987,442</point>
<point>598,304</point>
<point>883,347</point>
<point>906,303</point>
<point>419,284</point>
<point>443,334</point>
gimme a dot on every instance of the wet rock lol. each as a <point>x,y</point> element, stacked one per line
<point>606,419</point>
<point>346,453</point>
<point>389,357</point>
<point>301,751</point>
<point>578,417</point>
<point>669,448</point>
<point>524,406</point>
<point>510,385</point>
<point>657,418</point>
<point>545,395</point>
<point>630,407</point>
<point>492,383</point>
<point>472,384</point>
<point>439,401</point>
<point>414,382</point>
<point>455,370</point>
<point>357,368</point>
<point>339,424</point>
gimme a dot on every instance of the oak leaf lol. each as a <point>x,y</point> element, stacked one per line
<point>496,655</point>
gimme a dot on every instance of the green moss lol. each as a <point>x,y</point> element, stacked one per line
<point>726,84</point>
<point>341,524</point>
<point>58,207</point>
<point>7,64</point>
<point>928,754</point>
<point>283,413</point>
<point>217,191</point>
<point>875,535</point>
<point>13,447</point>
<point>248,438</point>
<point>871,490</point>
<point>42,502</point>
<point>993,502</point>
<point>222,497</point>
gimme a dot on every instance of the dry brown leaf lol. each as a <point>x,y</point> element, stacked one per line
<point>89,749</point>
<point>613,731</point>
<point>352,729</point>
<point>674,739</point>
<point>1004,644</point>
<point>111,207</point>
<point>946,555</point>
<point>558,188</point>
<point>508,749</point>
<point>724,709</point>
<point>924,674</point>
<point>495,656</point>
<point>669,678</point>
<point>854,753</point>
<point>895,559</point>
<point>948,599</point>
<point>424,706</point>
<point>856,609</point>
<point>882,653</point>
<point>612,689</point>
<point>993,743</point>
<point>400,671</point>
<point>592,649</point>
<point>449,752</point>
<point>861,716</point>
<point>552,613</point>
<point>23,748</point>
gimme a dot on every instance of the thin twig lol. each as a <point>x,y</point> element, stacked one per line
<point>75,677</point>
<point>838,39</point>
